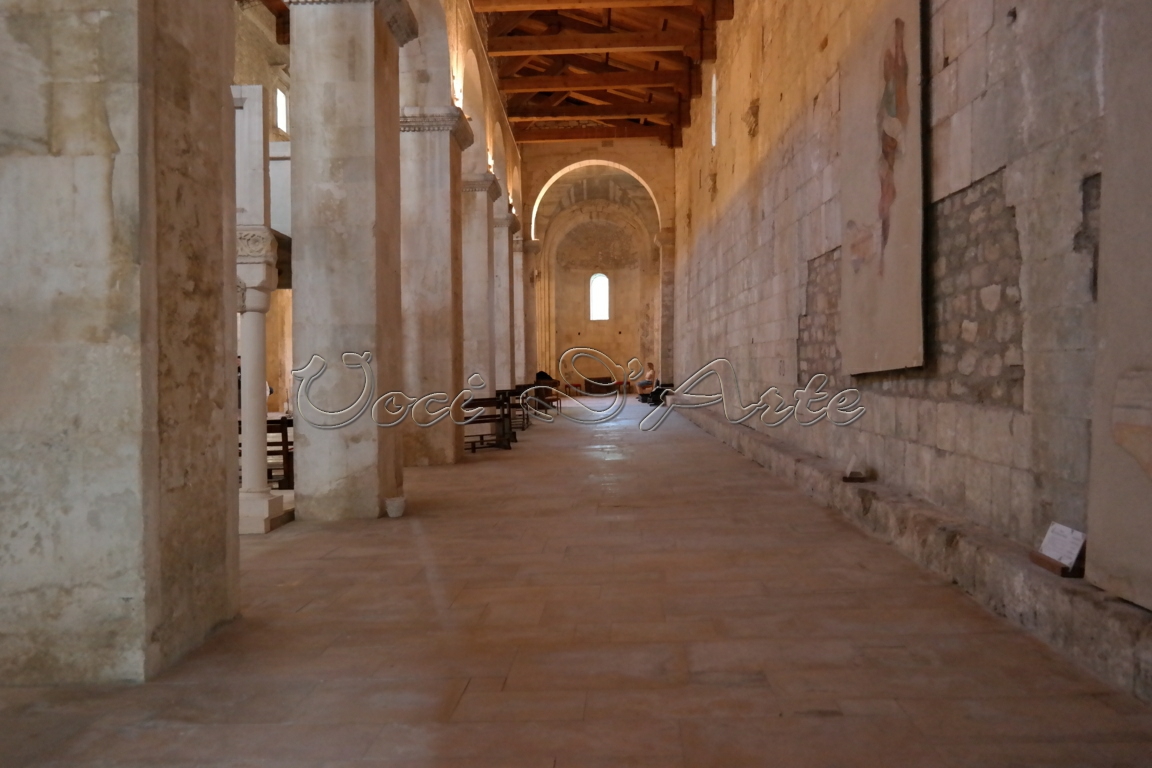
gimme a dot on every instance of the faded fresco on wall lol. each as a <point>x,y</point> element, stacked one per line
<point>882,195</point>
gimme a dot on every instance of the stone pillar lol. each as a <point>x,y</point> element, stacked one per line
<point>118,339</point>
<point>431,141</point>
<point>667,305</point>
<point>256,247</point>
<point>479,192</point>
<point>346,244</point>
<point>519,366</point>
<point>533,285</point>
<point>505,225</point>
<point>260,509</point>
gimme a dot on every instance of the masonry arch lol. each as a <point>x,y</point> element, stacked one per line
<point>584,164</point>
<point>426,61</point>
<point>590,237</point>
<point>475,158</point>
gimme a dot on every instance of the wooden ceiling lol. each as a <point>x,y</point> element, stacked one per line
<point>575,70</point>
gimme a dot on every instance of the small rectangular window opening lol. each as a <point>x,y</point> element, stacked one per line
<point>282,110</point>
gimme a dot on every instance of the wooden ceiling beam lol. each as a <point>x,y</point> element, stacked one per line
<point>616,42</point>
<point>634,111</point>
<point>513,64</point>
<point>504,23</point>
<point>665,133</point>
<point>663,79</point>
<point>493,6</point>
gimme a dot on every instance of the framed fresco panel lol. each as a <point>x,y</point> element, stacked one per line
<point>882,194</point>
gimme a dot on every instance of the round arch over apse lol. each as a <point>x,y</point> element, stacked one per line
<point>584,164</point>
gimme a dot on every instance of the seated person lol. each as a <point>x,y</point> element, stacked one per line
<point>645,386</point>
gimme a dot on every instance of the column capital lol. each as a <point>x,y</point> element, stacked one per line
<point>532,247</point>
<point>256,276</point>
<point>484,182</point>
<point>511,222</point>
<point>401,20</point>
<point>423,119</point>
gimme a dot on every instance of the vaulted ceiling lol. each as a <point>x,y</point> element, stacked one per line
<point>600,69</point>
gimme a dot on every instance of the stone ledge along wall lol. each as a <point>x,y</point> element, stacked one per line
<point>995,425</point>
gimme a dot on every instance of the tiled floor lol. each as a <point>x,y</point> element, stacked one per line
<point>595,598</point>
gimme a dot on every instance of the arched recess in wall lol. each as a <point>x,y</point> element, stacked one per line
<point>475,158</point>
<point>584,164</point>
<point>426,62</point>
<point>559,289</point>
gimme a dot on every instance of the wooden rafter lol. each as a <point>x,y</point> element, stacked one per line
<point>595,82</point>
<point>491,6</point>
<point>581,42</point>
<point>664,133</point>
<point>635,111</point>
<point>601,69</point>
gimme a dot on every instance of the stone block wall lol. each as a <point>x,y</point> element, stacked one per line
<point>995,425</point>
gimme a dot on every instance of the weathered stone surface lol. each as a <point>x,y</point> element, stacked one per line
<point>117,349</point>
<point>346,251</point>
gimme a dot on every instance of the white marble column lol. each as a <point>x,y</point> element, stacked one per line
<point>431,142</point>
<point>505,225</point>
<point>346,245</point>
<point>260,509</point>
<point>519,370</point>
<point>479,192</point>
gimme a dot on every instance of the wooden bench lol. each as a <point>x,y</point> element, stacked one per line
<point>602,385</point>
<point>281,459</point>
<point>498,411</point>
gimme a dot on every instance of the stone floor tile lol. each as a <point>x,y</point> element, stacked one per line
<point>631,600</point>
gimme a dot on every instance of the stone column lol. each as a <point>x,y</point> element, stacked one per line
<point>519,366</point>
<point>505,225</point>
<point>256,247</point>
<point>533,286</point>
<point>346,245</point>
<point>431,142</point>
<point>118,340</point>
<point>479,192</point>
<point>667,306</point>
<point>260,509</point>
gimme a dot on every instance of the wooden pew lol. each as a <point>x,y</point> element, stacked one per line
<point>498,411</point>
<point>281,459</point>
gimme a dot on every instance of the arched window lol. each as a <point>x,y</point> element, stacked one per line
<point>598,296</point>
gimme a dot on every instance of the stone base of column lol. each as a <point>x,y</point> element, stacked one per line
<point>261,512</point>
<point>394,506</point>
